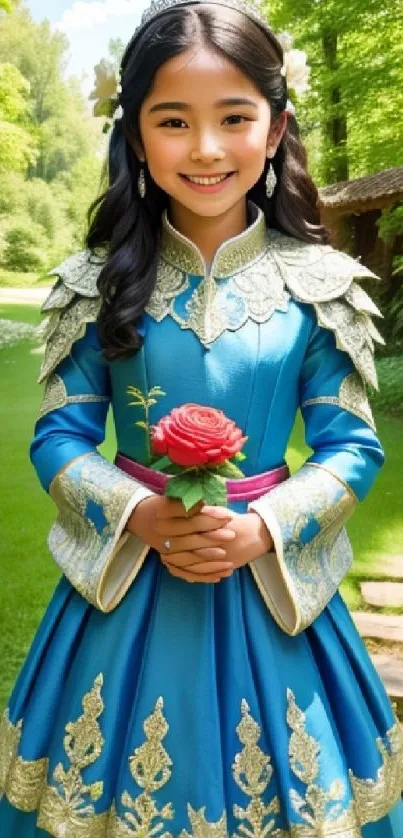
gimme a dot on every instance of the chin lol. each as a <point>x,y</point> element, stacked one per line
<point>210,207</point>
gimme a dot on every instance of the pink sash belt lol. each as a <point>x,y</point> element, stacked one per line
<point>244,489</point>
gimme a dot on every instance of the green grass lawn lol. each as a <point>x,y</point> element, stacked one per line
<point>28,573</point>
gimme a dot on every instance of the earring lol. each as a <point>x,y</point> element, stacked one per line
<point>271,181</point>
<point>141,184</point>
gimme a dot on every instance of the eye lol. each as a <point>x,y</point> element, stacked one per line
<point>237,116</point>
<point>173,123</point>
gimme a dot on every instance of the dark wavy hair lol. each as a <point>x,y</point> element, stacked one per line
<point>128,226</point>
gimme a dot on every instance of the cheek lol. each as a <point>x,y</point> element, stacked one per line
<point>251,147</point>
<point>165,154</point>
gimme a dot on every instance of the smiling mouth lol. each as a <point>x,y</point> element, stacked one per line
<point>207,180</point>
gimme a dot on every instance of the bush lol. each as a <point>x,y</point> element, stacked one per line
<point>33,223</point>
<point>389,399</point>
<point>25,246</point>
<point>390,226</point>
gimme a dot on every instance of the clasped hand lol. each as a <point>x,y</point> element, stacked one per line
<point>206,546</point>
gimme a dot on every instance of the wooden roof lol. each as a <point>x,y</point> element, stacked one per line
<point>364,190</point>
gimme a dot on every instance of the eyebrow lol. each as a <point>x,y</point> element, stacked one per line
<point>183,106</point>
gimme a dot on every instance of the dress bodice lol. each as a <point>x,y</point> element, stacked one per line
<point>274,325</point>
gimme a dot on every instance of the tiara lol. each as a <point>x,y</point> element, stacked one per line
<point>108,84</point>
<point>157,7</point>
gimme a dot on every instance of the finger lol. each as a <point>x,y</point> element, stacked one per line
<point>211,553</point>
<point>223,534</point>
<point>197,541</point>
<point>215,538</point>
<point>184,526</point>
<point>217,511</point>
<point>182,560</point>
<point>191,577</point>
<point>203,568</point>
<point>170,508</point>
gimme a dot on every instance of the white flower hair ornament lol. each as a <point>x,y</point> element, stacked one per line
<point>295,68</point>
<point>106,93</point>
<point>108,83</point>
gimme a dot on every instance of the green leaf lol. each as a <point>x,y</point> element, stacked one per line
<point>230,470</point>
<point>187,488</point>
<point>179,485</point>
<point>214,490</point>
<point>141,424</point>
<point>134,391</point>
<point>162,463</point>
<point>239,456</point>
<point>175,469</point>
<point>194,495</point>
<point>156,391</point>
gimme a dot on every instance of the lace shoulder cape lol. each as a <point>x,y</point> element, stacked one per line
<point>327,279</point>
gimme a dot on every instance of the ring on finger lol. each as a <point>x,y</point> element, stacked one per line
<point>167,544</point>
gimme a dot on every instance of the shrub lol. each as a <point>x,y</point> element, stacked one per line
<point>25,246</point>
<point>389,399</point>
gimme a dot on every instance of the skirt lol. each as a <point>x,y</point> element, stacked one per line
<point>186,711</point>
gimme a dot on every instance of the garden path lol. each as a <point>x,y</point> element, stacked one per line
<point>32,296</point>
<point>383,633</point>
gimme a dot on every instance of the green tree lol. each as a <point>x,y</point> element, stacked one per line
<point>18,147</point>
<point>8,5</point>
<point>356,98</point>
<point>59,114</point>
<point>49,150</point>
<point>76,190</point>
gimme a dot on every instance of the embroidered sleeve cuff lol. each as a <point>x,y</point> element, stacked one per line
<point>88,539</point>
<point>305,516</point>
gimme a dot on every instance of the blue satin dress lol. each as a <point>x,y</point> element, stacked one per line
<point>148,706</point>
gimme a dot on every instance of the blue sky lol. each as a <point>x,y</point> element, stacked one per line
<point>89,24</point>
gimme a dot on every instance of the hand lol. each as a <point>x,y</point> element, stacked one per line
<point>252,538</point>
<point>158,518</point>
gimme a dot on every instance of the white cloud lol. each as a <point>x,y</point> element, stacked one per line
<point>85,15</point>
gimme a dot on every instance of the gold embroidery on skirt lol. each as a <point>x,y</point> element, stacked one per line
<point>10,736</point>
<point>201,828</point>
<point>150,767</point>
<point>252,773</point>
<point>65,808</point>
<point>370,795</point>
<point>321,810</point>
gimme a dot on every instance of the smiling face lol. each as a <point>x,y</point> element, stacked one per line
<point>204,118</point>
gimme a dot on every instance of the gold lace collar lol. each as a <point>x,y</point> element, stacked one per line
<point>232,256</point>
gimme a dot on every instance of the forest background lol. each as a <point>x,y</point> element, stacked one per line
<point>52,148</point>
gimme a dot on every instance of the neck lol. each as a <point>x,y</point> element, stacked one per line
<point>208,233</point>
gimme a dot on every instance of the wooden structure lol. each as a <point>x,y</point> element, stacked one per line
<point>350,210</point>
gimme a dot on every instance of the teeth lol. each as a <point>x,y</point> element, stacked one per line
<point>207,181</point>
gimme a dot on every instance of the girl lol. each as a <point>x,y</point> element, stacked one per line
<point>201,675</point>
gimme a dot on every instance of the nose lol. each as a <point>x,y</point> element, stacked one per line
<point>207,147</point>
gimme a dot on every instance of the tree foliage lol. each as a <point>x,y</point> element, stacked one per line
<point>58,112</point>
<point>18,147</point>
<point>351,118</point>
<point>8,5</point>
<point>49,150</point>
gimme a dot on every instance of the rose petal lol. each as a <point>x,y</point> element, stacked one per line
<point>158,441</point>
<point>184,457</point>
<point>197,434</point>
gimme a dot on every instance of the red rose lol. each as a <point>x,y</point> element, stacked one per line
<point>194,435</point>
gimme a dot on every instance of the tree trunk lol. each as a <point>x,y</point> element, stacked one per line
<point>335,121</point>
